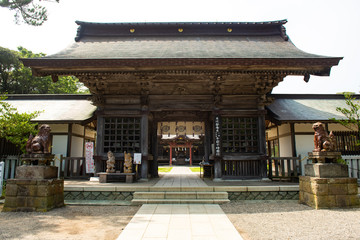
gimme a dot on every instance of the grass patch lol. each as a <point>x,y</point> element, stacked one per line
<point>195,169</point>
<point>164,169</point>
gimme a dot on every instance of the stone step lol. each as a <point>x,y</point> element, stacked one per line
<point>180,195</point>
<point>179,201</point>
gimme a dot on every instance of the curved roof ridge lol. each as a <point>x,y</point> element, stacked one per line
<point>160,29</point>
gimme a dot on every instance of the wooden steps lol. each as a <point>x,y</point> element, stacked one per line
<point>179,197</point>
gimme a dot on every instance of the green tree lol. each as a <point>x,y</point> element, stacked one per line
<point>18,79</point>
<point>28,11</point>
<point>8,63</point>
<point>351,114</point>
<point>14,126</point>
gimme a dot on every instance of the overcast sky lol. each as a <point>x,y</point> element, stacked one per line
<point>324,27</point>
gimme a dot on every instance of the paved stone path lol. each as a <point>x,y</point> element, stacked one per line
<point>181,177</point>
<point>180,221</point>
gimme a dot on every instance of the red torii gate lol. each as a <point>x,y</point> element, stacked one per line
<point>186,145</point>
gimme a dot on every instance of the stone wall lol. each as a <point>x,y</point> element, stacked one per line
<point>34,195</point>
<point>328,192</point>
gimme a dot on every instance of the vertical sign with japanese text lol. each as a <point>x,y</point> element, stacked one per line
<point>217,136</point>
<point>89,153</point>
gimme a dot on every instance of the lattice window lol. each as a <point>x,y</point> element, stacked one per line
<point>239,135</point>
<point>122,134</point>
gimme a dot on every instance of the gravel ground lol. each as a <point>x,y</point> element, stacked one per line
<point>70,222</point>
<point>279,220</point>
<point>254,220</point>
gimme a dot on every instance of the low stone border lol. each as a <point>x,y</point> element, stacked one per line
<point>98,195</point>
<point>264,195</point>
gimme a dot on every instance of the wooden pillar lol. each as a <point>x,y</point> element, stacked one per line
<point>144,145</point>
<point>154,144</point>
<point>293,143</point>
<point>170,162</point>
<point>190,155</point>
<point>207,141</point>
<point>69,140</point>
<point>262,146</point>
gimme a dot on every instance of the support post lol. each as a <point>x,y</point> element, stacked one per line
<point>144,145</point>
<point>262,146</point>
<point>190,155</point>
<point>170,162</point>
<point>207,141</point>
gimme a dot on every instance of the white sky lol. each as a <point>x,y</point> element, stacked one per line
<point>324,27</point>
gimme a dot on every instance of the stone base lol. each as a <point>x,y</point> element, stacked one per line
<point>36,172</point>
<point>324,157</point>
<point>327,170</point>
<point>328,192</point>
<point>28,195</point>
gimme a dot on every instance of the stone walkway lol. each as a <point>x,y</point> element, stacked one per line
<point>181,177</point>
<point>180,221</point>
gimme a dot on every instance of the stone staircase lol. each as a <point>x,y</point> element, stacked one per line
<point>179,197</point>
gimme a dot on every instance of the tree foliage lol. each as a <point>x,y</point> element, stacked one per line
<point>27,11</point>
<point>14,126</point>
<point>15,78</point>
<point>351,114</point>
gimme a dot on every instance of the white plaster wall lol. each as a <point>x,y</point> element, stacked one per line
<point>59,144</point>
<point>59,128</point>
<point>77,147</point>
<point>284,129</point>
<point>285,146</point>
<point>272,133</point>
<point>78,129</point>
<point>337,127</point>
<point>90,133</point>
<point>304,144</point>
<point>303,127</point>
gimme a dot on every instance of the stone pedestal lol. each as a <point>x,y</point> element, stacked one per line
<point>328,186</point>
<point>35,188</point>
<point>324,157</point>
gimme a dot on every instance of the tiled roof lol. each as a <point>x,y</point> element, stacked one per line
<point>55,108</point>
<point>293,108</point>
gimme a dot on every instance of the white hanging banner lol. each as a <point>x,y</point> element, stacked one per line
<point>137,158</point>
<point>89,153</point>
<point>2,165</point>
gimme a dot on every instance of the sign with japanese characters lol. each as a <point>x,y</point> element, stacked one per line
<point>89,153</point>
<point>137,158</point>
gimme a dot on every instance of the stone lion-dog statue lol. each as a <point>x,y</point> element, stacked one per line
<point>41,142</point>
<point>323,142</point>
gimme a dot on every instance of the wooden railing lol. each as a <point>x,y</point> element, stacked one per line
<point>284,168</point>
<point>353,163</point>
<point>11,162</point>
<point>240,168</point>
<point>347,142</point>
<point>73,167</point>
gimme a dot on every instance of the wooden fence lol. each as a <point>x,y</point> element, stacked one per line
<point>284,168</point>
<point>240,168</point>
<point>347,142</point>
<point>11,162</point>
<point>73,167</point>
<point>354,166</point>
